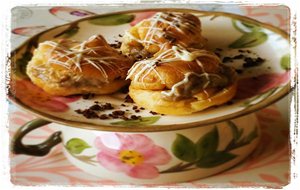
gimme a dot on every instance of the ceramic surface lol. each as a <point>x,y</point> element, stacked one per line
<point>258,86</point>
<point>162,157</point>
<point>267,166</point>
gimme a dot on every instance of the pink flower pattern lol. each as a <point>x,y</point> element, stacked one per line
<point>141,16</point>
<point>248,87</point>
<point>69,13</point>
<point>136,155</point>
<point>35,97</point>
<point>54,169</point>
<point>29,30</point>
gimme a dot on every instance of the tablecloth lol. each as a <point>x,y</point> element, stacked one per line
<point>267,166</point>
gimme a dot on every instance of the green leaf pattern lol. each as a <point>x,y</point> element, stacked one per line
<point>285,62</point>
<point>254,35</point>
<point>141,121</point>
<point>76,145</point>
<point>236,133</point>
<point>208,144</point>
<point>184,149</point>
<point>116,19</point>
<point>250,40</point>
<point>239,141</point>
<point>70,32</point>
<point>204,153</point>
<point>216,159</point>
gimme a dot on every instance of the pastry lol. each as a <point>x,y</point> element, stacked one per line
<point>67,67</point>
<point>181,81</point>
<point>151,35</point>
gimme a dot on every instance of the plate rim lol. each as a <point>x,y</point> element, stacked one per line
<point>153,128</point>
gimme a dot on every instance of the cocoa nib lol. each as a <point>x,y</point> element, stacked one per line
<point>124,118</point>
<point>96,107</point>
<point>153,113</point>
<point>118,112</point>
<point>128,99</point>
<point>88,96</point>
<point>253,62</point>
<point>116,45</point>
<point>92,111</point>
<point>227,59</point>
<point>134,117</point>
<point>90,114</point>
<point>103,116</point>
<point>107,106</point>
<point>239,56</point>
<point>239,71</point>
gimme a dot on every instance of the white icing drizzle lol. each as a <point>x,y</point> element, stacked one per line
<point>142,68</point>
<point>174,20</point>
<point>186,87</point>
<point>78,55</point>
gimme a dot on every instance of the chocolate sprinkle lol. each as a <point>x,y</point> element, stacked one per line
<point>124,118</point>
<point>239,71</point>
<point>103,116</point>
<point>239,56</point>
<point>90,114</point>
<point>78,111</point>
<point>128,99</point>
<point>92,111</point>
<point>253,62</point>
<point>116,45</point>
<point>226,59</point>
<point>153,113</point>
<point>96,107</point>
<point>108,106</point>
<point>88,96</point>
<point>134,117</point>
<point>118,112</point>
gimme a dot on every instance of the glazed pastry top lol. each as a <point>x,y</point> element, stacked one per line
<point>180,72</point>
<point>176,28</point>
<point>93,57</point>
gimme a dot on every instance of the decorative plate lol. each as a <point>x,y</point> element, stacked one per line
<point>239,42</point>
